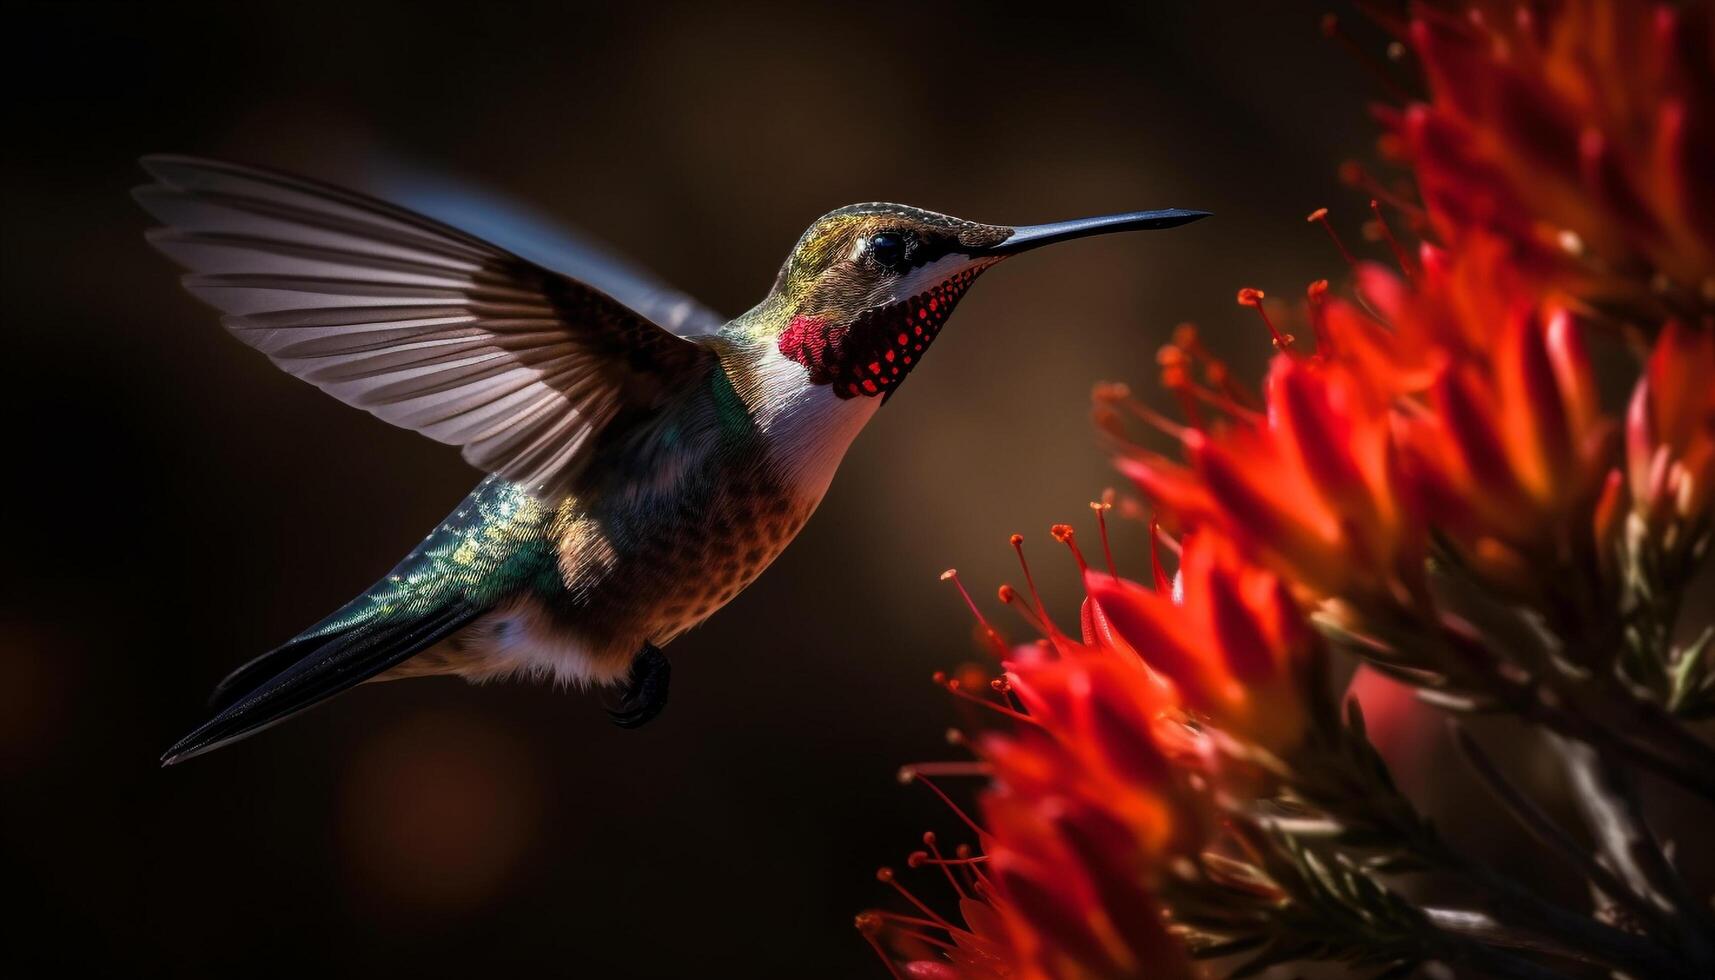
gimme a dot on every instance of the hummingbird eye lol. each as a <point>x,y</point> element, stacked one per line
<point>888,249</point>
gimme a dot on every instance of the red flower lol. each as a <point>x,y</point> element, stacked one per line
<point>1079,891</point>
<point>1583,130</point>
<point>1454,399</point>
<point>1095,717</point>
<point>1311,487</point>
<point>1510,457</point>
<point>1236,646</point>
<point>1087,806</point>
<point>923,944</point>
<point>1449,409</point>
<point>1670,441</point>
<point>1077,822</point>
<point>1398,334</point>
<point>1098,785</point>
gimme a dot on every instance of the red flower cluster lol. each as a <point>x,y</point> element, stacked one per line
<point>1451,406</point>
<point>1085,807</point>
<point>1314,473</point>
<point>1454,400</point>
<point>1103,782</point>
<point>1583,130</point>
<point>1670,442</point>
<point>925,945</point>
<point>1444,428</point>
<point>1502,443</point>
<point>1234,646</point>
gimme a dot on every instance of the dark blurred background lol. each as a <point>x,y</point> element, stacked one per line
<point>179,506</point>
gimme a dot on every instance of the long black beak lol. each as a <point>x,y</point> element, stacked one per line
<point>1027,237</point>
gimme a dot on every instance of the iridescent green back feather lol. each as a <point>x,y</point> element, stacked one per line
<point>494,545</point>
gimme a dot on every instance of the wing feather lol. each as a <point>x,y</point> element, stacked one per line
<point>528,233</point>
<point>419,323</point>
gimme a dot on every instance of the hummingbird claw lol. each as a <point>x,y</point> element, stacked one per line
<point>645,692</point>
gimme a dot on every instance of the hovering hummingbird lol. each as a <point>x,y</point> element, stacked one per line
<point>646,458</point>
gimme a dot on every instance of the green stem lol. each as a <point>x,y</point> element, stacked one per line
<point>1372,801</point>
<point>1518,906</point>
<point>1539,694</point>
<point>1605,797</point>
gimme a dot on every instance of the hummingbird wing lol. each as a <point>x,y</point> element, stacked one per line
<point>527,233</point>
<point>416,322</point>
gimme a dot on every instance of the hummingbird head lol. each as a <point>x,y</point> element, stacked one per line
<point>868,287</point>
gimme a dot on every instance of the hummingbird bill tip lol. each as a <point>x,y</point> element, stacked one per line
<point>1026,237</point>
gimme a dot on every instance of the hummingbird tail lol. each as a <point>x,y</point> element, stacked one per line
<point>315,666</point>
<point>486,551</point>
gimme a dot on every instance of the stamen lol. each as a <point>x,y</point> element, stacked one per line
<point>1176,377</point>
<point>1158,421</point>
<point>965,862</point>
<point>1189,396</point>
<point>951,768</point>
<point>912,927</point>
<point>1063,533</point>
<point>955,862</point>
<point>1253,298</point>
<point>925,937</point>
<point>1106,421</point>
<point>1048,627</point>
<point>929,842</point>
<point>1316,298</point>
<point>1232,397</point>
<point>887,877</point>
<point>981,833</point>
<point>1163,584</point>
<point>868,923</point>
<point>1110,391</point>
<point>1335,31</point>
<point>869,926</point>
<point>953,687</point>
<point>1392,243</point>
<point>989,632</point>
<point>896,918</point>
<point>1008,596</point>
<point>979,880</point>
<point>1101,508</point>
<point>1172,544</point>
<point>1353,174</point>
<point>1227,401</point>
<point>1320,216</point>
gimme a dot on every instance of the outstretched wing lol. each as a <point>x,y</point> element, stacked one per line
<point>528,233</point>
<point>418,323</point>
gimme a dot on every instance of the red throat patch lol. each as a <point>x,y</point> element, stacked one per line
<point>879,348</point>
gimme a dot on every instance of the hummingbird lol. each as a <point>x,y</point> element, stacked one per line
<point>645,458</point>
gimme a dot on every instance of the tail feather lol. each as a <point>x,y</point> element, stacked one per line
<point>271,664</point>
<point>313,667</point>
<point>492,546</point>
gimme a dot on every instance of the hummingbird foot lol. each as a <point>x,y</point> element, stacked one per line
<point>645,692</point>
